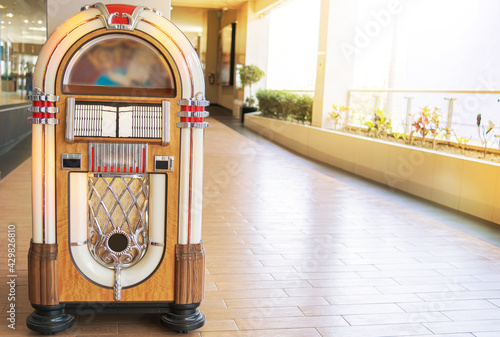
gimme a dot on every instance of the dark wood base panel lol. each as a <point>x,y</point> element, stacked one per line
<point>42,274</point>
<point>189,273</point>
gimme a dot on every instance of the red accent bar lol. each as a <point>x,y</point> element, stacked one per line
<point>136,169</point>
<point>98,169</point>
<point>105,169</point>
<point>37,114</point>
<point>120,9</point>
<point>113,8</point>
<point>143,160</point>
<point>192,119</point>
<point>199,108</point>
<point>118,169</point>
<point>92,165</point>
<point>130,169</point>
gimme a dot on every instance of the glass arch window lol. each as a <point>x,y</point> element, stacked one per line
<point>118,64</point>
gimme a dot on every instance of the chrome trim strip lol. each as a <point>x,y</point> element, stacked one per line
<point>192,125</point>
<point>44,109</point>
<point>165,139</point>
<point>195,102</point>
<point>43,97</point>
<point>81,243</point>
<point>197,114</point>
<point>114,174</point>
<point>70,120</point>
<point>48,121</point>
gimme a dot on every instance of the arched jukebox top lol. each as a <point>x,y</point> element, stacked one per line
<point>111,55</point>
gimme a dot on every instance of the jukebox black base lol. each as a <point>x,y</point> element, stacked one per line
<point>183,318</point>
<point>49,319</point>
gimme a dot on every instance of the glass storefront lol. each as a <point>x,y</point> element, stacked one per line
<point>23,31</point>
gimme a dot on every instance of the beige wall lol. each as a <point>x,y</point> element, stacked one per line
<point>211,90</point>
<point>193,23</point>
<point>226,96</point>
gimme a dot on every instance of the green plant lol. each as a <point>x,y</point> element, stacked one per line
<point>284,105</point>
<point>336,114</point>
<point>403,136</point>
<point>379,124</point>
<point>249,75</point>
<point>485,133</point>
<point>462,142</point>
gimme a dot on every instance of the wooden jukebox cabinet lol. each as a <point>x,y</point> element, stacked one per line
<point>118,123</point>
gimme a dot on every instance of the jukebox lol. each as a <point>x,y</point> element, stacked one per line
<point>118,123</point>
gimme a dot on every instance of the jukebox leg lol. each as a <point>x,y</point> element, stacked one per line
<point>48,319</point>
<point>184,314</point>
<point>49,316</point>
<point>183,318</point>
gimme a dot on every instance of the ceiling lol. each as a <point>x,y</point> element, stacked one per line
<point>23,21</point>
<point>220,4</point>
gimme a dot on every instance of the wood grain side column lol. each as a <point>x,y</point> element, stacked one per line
<point>189,273</point>
<point>42,274</point>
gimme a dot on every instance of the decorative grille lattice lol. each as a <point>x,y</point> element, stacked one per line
<point>118,221</point>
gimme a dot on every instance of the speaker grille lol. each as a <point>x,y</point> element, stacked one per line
<point>118,207</point>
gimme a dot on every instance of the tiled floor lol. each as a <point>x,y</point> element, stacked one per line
<point>293,251</point>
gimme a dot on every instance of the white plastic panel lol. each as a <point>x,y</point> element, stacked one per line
<point>78,207</point>
<point>36,183</point>
<point>101,275</point>
<point>197,187</point>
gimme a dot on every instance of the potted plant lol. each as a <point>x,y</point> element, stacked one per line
<point>249,75</point>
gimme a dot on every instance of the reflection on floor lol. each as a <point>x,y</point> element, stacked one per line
<point>294,249</point>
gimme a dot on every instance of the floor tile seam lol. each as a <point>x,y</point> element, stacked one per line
<point>497,305</point>
<point>448,320</point>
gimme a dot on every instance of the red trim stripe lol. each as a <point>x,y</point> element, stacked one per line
<point>192,119</point>
<point>143,159</point>
<point>92,163</point>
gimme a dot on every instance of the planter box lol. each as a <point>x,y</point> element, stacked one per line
<point>467,185</point>
<point>245,110</point>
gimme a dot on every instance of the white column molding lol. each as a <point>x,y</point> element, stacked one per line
<point>335,74</point>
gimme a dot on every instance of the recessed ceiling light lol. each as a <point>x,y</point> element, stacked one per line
<point>26,21</point>
<point>39,22</point>
<point>9,15</point>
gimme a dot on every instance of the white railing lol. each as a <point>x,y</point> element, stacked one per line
<point>459,108</point>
